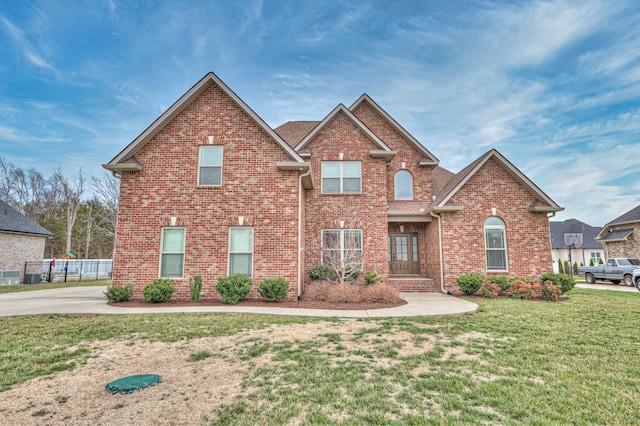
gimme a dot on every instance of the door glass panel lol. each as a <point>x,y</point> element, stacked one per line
<point>402,249</point>
<point>415,248</point>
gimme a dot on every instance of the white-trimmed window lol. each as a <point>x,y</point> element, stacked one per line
<point>241,250</point>
<point>341,246</point>
<point>596,256</point>
<point>172,252</point>
<point>210,165</point>
<point>403,183</point>
<point>495,244</point>
<point>341,177</point>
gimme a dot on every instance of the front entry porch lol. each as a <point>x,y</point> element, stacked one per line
<point>406,259</point>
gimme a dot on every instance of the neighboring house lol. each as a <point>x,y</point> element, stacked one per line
<point>209,188</point>
<point>621,236</point>
<point>588,251</point>
<point>21,239</point>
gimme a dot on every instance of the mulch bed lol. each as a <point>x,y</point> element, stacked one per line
<point>304,304</point>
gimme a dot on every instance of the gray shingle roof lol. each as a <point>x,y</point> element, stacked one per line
<point>617,235</point>
<point>632,215</point>
<point>573,226</point>
<point>11,220</point>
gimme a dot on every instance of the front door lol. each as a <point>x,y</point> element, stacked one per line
<point>403,254</point>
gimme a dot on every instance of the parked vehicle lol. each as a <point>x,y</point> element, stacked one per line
<point>636,278</point>
<point>614,270</point>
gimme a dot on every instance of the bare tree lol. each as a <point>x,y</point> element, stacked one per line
<point>70,195</point>
<point>342,252</point>
<point>6,180</point>
<point>107,191</point>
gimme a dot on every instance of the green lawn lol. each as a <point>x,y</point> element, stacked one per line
<point>513,362</point>
<point>49,286</point>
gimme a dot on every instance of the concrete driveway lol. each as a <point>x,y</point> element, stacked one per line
<point>601,285</point>
<point>91,300</point>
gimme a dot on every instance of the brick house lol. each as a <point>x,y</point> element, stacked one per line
<point>621,236</point>
<point>209,188</point>
<point>21,240</point>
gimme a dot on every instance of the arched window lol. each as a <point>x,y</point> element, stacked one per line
<point>404,185</point>
<point>495,244</point>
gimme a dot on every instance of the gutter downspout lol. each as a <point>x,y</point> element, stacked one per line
<point>300,248</point>
<point>442,289</point>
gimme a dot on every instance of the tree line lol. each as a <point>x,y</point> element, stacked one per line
<point>81,215</point>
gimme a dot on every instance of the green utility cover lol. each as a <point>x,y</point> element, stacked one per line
<point>131,383</point>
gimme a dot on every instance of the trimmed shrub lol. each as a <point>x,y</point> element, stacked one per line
<point>503,282</point>
<point>567,267</point>
<point>565,282</point>
<point>159,291</point>
<point>524,290</point>
<point>119,293</point>
<point>490,290</point>
<point>550,291</point>
<point>324,291</point>
<point>381,293</point>
<point>195,286</point>
<point>322,273</point>
<point>470,283</point>
<point>575,268</point>
<point>318,290</point>
<point>234,288</point>
<point>273,289</point>
<point>560,268</point>
<point>372,277</point>
<point>591,262</point>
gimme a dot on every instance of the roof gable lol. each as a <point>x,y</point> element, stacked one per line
<point>631,216</point>
<point>122,161</point>
<point>11,220</point>
<point>430,158</point>
<point>545,204</point>
<point>342,109</point>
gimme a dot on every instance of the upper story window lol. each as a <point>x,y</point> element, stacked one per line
<point>210,165</point>
<point>404,185</point>
<point>341,177</point>
<point>172,252</point>
<point>495,244</point>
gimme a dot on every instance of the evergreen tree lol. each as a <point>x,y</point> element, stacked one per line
<point>591,262</point>
<point>567,267</point>
<point>575,268</point>
<point>560,268</point>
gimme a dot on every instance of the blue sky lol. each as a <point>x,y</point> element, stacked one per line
<point>553,85</point>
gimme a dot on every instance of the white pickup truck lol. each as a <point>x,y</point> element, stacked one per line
<point>615,270</point>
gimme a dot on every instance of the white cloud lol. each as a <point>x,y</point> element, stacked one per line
<point>24,46</point>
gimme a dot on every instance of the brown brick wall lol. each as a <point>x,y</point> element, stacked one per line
<point>252,187</point>
<point>528,241</point>
<point>366,211</point>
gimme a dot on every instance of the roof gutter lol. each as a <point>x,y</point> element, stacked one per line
<point>307,182</point>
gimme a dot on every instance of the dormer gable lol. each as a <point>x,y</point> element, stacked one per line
<point>379,148</point>
<point>365,102</point>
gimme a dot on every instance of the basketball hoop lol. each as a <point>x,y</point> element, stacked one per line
<point>573,240</point>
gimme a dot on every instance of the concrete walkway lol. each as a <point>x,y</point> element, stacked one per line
<point>91,300</point>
